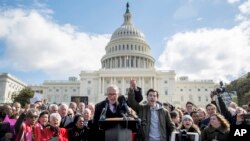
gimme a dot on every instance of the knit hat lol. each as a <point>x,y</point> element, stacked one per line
<point>187,117</point>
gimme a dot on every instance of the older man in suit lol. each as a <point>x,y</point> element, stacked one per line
<point>108,108</point>
<point>66,121</point>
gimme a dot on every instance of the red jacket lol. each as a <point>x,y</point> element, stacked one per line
<point>45,134</point>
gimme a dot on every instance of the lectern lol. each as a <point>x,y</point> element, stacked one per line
<point>119,129</point>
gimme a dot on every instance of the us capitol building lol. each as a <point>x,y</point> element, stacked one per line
<point>128,56</point>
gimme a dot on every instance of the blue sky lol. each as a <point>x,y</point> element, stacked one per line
<point>54,39</point>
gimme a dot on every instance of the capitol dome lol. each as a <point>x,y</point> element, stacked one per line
<point>127,30</point>
<point>127,48</point>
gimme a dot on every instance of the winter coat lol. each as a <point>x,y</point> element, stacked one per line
<point>166,125</point>
<point>209,133</point>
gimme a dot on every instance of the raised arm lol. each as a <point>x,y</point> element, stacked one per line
<point>132,101</point>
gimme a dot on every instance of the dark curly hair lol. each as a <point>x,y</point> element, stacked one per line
<point>153,90</point>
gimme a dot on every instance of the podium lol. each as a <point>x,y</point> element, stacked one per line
<point>119,129</point>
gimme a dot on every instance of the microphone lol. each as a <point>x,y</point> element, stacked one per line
<point>123,107</point>
<point>103,113</point>
<point>123,104</point>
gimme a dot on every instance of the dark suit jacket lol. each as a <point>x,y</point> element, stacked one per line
<point>66,122</point>
<point>109,114</point>
<point>138,95</point>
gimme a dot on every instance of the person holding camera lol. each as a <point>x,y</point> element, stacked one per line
<point>237,119</point>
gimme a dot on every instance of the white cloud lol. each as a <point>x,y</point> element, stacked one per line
<point>34,42</point>
<point>233,1</point>
<point>218,54</point>
<point>244,11</point>
<point>245,7</point>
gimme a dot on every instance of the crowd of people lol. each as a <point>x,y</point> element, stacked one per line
<point>80,122</point>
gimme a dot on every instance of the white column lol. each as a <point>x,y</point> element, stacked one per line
<point>103,85</point>
<point>106,62</point>
<point>100,85</point>
<point>141,62</point>
<point>126,62</point>
<point>113,62</point>
<point>151,82</point>
<point>144,63</point>
<point>143,88</point>
<point>140,81</point>
<point>155,82</point>
<point>120,62</point>
<point>115,80</point>
<point>110,64</point>
<point>111,80</point>
<point>130,60</point>
<point>123,87</point>
<point>116,61</point>
<point>141,59</point>
<point>134,60</point>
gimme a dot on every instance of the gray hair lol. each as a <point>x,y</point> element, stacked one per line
<point>55,115</point>
<point>87,110</point>
<point>64,105</point>
<point>114,87</point>
<point>52,106</point>
<point>31,112</point>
